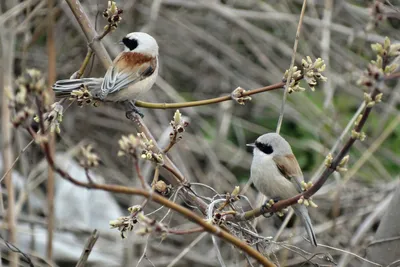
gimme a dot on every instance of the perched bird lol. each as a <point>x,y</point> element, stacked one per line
<point>276,173</point>
<point>133,72</point>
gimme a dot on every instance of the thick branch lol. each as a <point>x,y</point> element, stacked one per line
<point>89,32</point>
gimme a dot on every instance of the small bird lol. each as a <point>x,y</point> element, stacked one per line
<point>276,173</point>
<point>133,72</point>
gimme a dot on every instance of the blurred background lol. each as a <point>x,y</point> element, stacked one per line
<point>207,49</point>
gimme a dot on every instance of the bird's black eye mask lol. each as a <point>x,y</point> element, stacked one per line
<point>130,43</point>
<point>266,148</point>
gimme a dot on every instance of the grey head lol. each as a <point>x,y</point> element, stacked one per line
<point>273,144</point>
<point>140,42</point>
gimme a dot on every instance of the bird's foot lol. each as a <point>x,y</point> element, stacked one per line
<point>132,111</point>
<point>268,205</point>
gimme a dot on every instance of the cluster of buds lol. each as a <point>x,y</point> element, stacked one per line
<point>328,160</point>
<point>218,219</point>
<point>123,224</point>
<point>89,159</point>
<point>128,146</point>
<point>29,86</point>
<point>342,166</point>
<point>358,135</point>
<point>21,116</point>
<point>296,76</point>
<point>377,15</point>
<point>307,202</point>
<point>113,15</point>
<point>387,49</point>
<point>53,118</point>
<point>150,226</point>
<point>31,82</point>
<point>178,127</point>
<point>312,71</point>
<point>83,96</point>
<point>380,67</point>
<point>370,102</point>
<point>131,144</point>
<point>162,188</point>
<point>127,223</point>
<point>238,96</point>
<point>147,152</point>
<point>305,186</point>
<point>371,75</point>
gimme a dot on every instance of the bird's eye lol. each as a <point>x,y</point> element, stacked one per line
<point>130,43</point>
<point>267,149</point>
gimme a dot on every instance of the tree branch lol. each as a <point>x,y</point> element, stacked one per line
<point>143,104</point>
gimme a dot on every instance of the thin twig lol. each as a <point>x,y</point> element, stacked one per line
<point>143,104</point>
<point>348,252</point>
<point>186,250</point>
<point>17,250</point>
<point>16,160</point>
<point>88,248</point>
<point>296,41</point>
<point>139,174</point>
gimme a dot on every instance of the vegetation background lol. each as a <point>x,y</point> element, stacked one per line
<point>207,49</point>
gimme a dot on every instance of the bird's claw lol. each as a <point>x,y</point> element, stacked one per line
<point>132,110</point>
<point>131,114</point>
<point>268,205</point>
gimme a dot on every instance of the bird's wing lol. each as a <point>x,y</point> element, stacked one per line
<point>127,68</point>
<point>290,169</point>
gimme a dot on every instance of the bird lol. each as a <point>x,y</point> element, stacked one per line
<point>276,173</point>
<point>132,73</point>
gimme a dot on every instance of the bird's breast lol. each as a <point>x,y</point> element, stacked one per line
<point>268,179</point>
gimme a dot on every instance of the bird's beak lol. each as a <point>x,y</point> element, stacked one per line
<point>120,43</point>
<point>251,145</point>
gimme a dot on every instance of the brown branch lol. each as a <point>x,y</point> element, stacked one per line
<point>51,51</point>
<point>89,31</point>
<point>90,53</point>
<point>139,174</point>
<point>215,230</point>
<point>327,172</point>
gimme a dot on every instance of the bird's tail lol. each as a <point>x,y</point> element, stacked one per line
<point>63,88</point>
<point>302,212</point>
